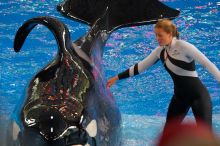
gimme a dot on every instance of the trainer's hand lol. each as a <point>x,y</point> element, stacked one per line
<point>111,81</point>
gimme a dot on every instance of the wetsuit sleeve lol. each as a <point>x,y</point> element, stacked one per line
<point>141,66</point>
<point>203,60</point>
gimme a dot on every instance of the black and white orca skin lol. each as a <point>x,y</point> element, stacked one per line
<point>68,95</point>
<point>67,102</point>
<point>116,13</point>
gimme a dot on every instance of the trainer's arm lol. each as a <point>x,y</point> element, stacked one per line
<point>141,66</point>
<point>203,60</point>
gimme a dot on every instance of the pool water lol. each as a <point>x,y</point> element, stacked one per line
<point>143,99</point>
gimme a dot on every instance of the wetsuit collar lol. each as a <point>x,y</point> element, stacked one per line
<point>173,42</point>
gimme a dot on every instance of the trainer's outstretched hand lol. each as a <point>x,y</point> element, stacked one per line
<point>111,81</point>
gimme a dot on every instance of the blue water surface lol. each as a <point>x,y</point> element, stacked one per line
<point>143,100</point>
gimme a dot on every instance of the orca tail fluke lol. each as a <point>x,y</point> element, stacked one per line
<point>139,12</point>
<point>117,13</point>
<point>86,11</point>
<point>59,30</point>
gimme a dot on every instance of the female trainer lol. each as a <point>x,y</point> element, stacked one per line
<point>178,58</point>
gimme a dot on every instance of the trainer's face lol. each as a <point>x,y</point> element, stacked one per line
<point>163,38</point>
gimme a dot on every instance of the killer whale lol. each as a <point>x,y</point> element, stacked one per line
<point>68,97</point>
<point>66,102</point>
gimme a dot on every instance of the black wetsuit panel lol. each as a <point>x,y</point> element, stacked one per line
<point>188,92</point>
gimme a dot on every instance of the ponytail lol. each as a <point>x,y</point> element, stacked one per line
<point>175,31</point>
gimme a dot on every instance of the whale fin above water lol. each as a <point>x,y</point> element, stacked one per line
<point>86,11</point>
<point>118,13</point>
<point>60,31</point>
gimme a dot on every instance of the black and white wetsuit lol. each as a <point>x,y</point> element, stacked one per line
<point>179,60</point>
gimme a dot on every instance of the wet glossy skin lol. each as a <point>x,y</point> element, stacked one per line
<point>70,91</point>
<point>72,86</point>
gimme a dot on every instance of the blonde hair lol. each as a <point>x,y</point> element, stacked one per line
<point>168,27</point>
